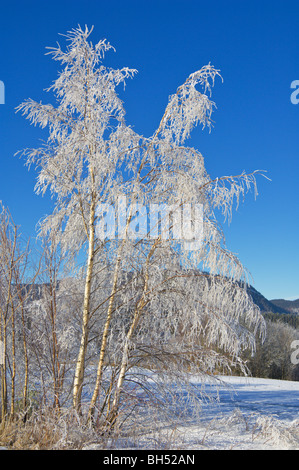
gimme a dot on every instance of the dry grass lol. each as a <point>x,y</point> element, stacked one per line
<point>48,430</point>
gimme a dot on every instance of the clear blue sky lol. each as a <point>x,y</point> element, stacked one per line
<point>255,44</point>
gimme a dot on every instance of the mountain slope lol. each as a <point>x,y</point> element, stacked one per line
<point>266,305</point>
<point>290,305</point>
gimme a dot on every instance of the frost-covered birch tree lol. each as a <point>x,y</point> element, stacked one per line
<point>87,145</point>
<point>166,296</point>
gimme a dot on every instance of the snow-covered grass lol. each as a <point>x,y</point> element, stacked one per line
<point>245,413</point>
<point>251,413</point>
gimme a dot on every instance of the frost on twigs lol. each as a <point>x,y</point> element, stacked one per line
<point>189,107</point>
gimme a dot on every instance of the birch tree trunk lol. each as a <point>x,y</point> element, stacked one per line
<point>112,416</point>
<point>55,352</point>
<point>4,379</point>
<point>13,372</point>
<point>80,365</point>
<point>104,340</point>
<point>8,259</point>
<point>26,362</point>
<point>107,324</point>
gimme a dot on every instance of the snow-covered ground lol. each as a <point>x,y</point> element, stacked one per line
<point>246,414</point>
<point>252,414</point>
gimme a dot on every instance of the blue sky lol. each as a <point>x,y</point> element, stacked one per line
<point>255,44</point>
